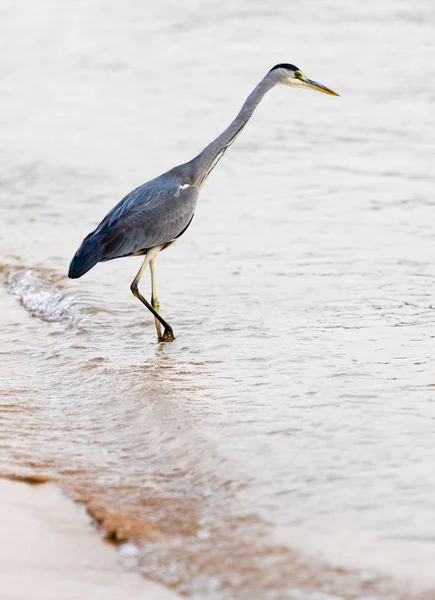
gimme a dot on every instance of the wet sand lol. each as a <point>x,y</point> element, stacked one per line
<point>51,551</point>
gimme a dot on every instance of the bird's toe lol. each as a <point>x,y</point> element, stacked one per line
<point>168,335</point>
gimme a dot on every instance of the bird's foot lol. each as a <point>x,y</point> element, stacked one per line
<point>168,335</point>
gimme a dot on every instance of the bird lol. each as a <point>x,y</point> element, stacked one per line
<point>154,215</point>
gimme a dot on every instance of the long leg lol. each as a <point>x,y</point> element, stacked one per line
<point>168,334</point>
<point>154,301</point>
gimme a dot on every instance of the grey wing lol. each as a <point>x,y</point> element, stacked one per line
<point>149,216</point>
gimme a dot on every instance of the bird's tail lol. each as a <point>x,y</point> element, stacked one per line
<point>86,257</point>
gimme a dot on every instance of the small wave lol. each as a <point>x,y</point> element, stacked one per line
<point>40,295</point>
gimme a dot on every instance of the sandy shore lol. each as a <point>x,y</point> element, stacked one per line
<point>49,550</point>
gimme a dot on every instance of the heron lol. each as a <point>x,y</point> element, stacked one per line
<point>154,215</point>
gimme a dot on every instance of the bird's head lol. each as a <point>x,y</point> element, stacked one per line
<point>290,75</point>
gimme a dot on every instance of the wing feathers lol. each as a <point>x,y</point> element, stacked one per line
<point>152,215</point>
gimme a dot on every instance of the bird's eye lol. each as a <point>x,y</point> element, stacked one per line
<point>298,75</point>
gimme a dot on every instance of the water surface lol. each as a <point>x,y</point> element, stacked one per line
<point>283,446</point>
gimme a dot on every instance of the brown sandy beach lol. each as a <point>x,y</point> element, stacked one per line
<point>50,551</point>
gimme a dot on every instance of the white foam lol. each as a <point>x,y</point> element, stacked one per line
<point>41,297</point>
<point>128,555</point>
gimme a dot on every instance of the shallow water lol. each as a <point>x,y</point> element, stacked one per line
<point>282,446</point>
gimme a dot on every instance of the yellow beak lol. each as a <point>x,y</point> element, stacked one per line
<point>317,86</point>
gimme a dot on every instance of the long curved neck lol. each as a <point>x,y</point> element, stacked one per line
<point>204,163</point>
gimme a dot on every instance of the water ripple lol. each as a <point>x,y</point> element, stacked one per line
<point>41,295</point>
